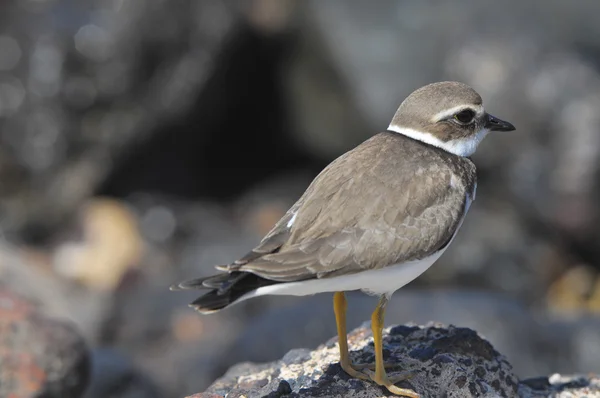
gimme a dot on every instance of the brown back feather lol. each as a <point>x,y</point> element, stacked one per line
<point>398,205</point>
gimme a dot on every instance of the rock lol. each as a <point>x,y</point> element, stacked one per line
<point>287,323</point>
<point>29,273</point>
<point>115,376</point>
<point>560,386</point>
<point>575,291</point>
<point>111,246</point>
<point>447,361</point>
<point>39,356</point>
<point>93,111</point>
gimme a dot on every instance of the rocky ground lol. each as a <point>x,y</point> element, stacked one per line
<point>444,361</point>
<point>141,143</point>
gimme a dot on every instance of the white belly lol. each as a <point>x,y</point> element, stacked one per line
<point>380,281</point>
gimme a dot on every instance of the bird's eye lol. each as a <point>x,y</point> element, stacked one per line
<point>465,117</point>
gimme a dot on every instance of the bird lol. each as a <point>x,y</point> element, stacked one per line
<point>373,220</point>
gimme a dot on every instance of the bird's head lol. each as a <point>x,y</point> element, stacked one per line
<point>448,115</point>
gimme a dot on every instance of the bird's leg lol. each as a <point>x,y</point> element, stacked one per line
<point>339,308</point>
<point>380,376</point>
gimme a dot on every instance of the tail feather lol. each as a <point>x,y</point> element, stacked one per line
<point>226,289</point>
<point>224,282</point>
<point>219,281</point>
<point>190,284</point>
<point>211,302</point>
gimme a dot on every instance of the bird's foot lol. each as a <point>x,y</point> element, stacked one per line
<point>388,382</point>
<point>353,372</point>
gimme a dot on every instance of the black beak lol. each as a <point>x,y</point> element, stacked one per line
<point>495,124</point>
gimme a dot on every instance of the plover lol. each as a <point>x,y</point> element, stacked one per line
<point>373,220</point>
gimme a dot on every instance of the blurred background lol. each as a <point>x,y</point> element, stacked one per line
<point>143,142</point>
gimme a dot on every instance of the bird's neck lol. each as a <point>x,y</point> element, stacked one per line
<point>464,146</point>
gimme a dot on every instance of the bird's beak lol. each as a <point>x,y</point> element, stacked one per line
<point>495,124</point>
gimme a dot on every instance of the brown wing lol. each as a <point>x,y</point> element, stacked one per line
<point>350,220</point>
<point>273,241</point>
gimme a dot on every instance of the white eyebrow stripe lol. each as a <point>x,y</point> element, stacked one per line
<point>478,109</point>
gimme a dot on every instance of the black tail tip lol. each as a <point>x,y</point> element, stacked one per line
<point>223,289</point>
<point>212,302</point>
<point>203,310</point>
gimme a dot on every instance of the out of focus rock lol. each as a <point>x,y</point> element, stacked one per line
<point>561,386</point>
<point>39,356</point>
<point>99,78</point>
<point>270,16</point>
<point>113,375</point>
<point>29,272</point>
<point>503,258</point>
<point>573,293</point>
<point>594,301</point>
<point>188,327</point>
<point>447,361</point>
<point>111,245</point>
<point>169,342</point>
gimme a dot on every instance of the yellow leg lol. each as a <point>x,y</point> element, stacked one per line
<point>380,376</point>
<point>339,307</point>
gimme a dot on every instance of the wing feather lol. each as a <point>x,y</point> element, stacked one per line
<point>402,205</point>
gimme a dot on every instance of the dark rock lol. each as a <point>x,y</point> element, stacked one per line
<point>39,356</point>
<point>439,366</point>
<point>463,342</point>
<point>205,395</point>
<point>560,386</point>
<point>115,376</point>
<point>447,362</point>
<point>309,321</point>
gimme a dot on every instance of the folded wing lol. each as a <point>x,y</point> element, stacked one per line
<point>398,208</point>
